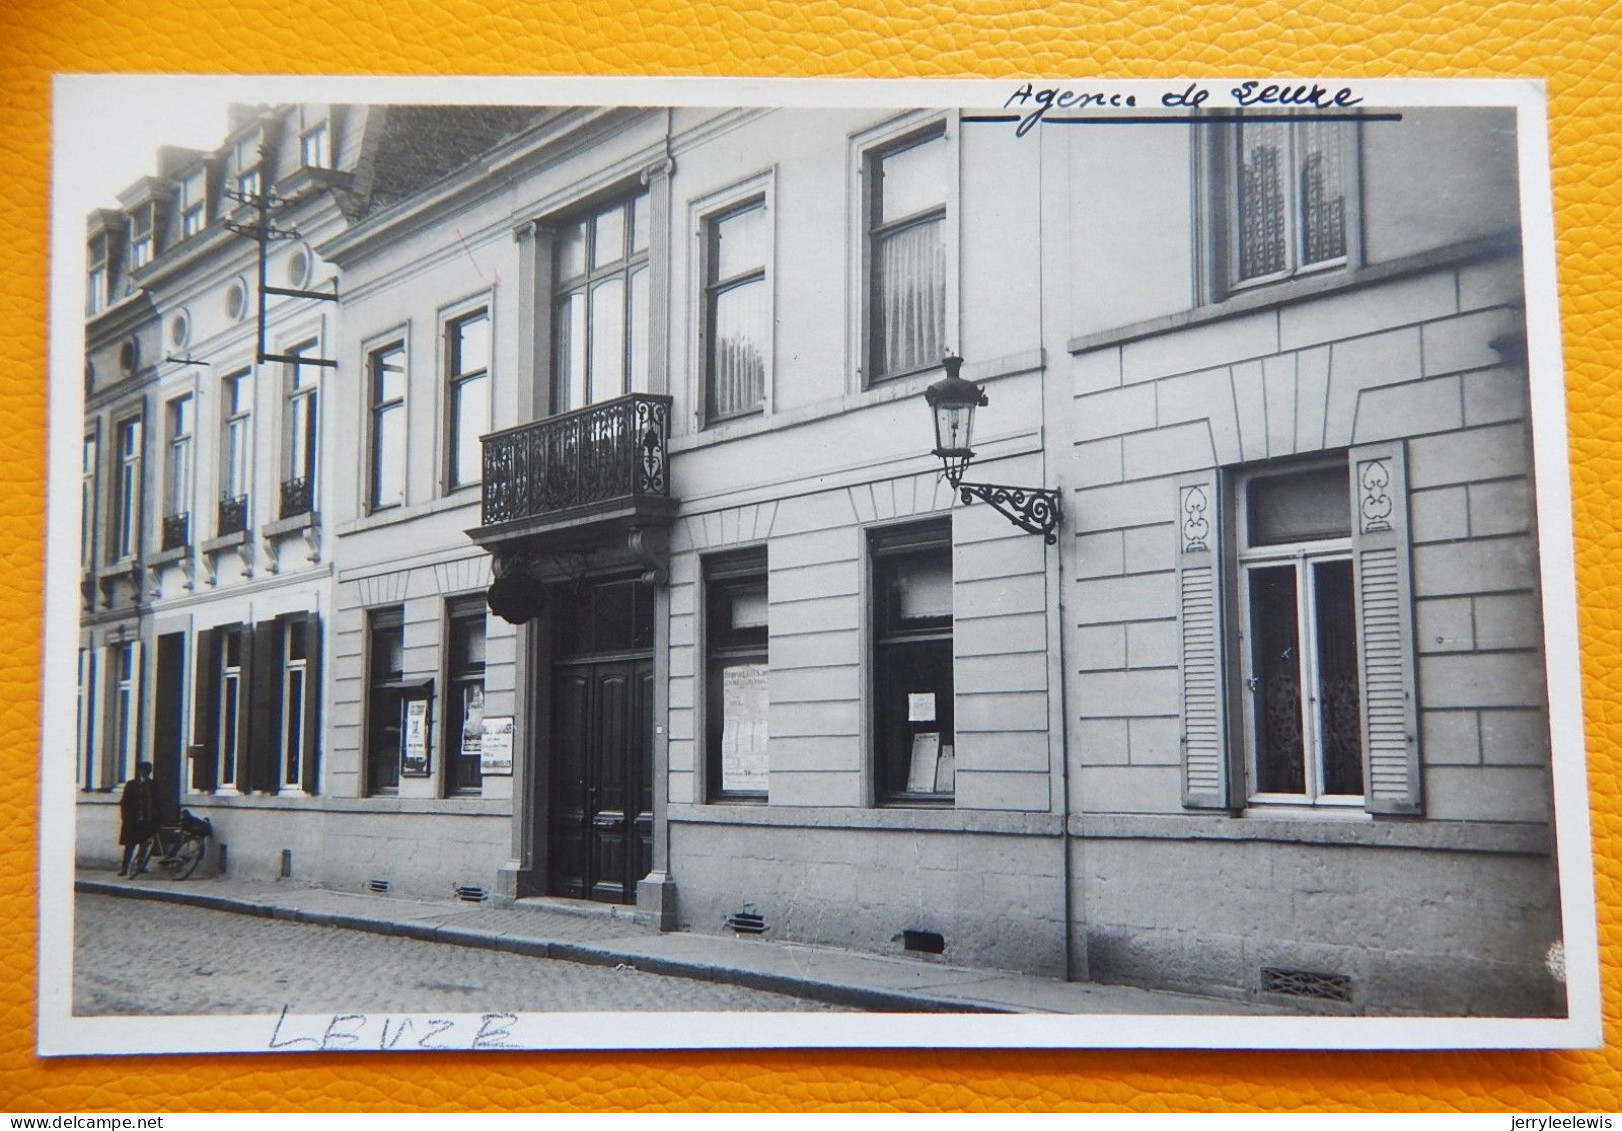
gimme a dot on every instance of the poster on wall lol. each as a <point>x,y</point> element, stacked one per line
<point>496,746</point>
<point>414,739</point>
<point>744,700</point>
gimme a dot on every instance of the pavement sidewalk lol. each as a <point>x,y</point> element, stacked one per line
<point>609,936</point>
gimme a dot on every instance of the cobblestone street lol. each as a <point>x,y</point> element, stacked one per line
<point>136,957</point>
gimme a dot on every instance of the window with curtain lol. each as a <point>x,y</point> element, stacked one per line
<point>737,309</point>
<point>386,473</point>
<point>906,237</point>
<point>467,367</point>
<point>1288,185</point>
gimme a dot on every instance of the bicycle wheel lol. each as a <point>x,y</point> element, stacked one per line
<point>187,856</point>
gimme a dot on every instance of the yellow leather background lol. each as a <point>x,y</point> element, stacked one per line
<point>1574,45</point>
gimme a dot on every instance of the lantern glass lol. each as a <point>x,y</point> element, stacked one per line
<point>954,429</point>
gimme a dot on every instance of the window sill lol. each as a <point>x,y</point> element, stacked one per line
<point>390,516</point>
<point>293,525</point>
<point>1321,828</point>
<point>1300,288</point>
<point>897,388</point>
<point>168,557</point>
<point>913,819</point>
<point>225,542</point>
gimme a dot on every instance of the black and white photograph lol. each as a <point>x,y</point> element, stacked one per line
<point>577,564</point>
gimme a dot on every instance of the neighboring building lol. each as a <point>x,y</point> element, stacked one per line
<point>648,384</point>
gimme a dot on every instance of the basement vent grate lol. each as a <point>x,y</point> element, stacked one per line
<point>378,887</point>
<point>924,942</point>
<point>470,893</point>
<point>1306,983</point>
<point>747,922</point>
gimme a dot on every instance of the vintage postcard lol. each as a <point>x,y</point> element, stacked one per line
<point>627,564</point>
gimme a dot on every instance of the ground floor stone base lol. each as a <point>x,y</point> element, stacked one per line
<point>1399,930</point>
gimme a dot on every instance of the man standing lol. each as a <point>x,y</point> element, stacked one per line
<point>138,808</point>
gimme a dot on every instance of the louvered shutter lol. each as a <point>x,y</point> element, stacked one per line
<point>1385,629</point>
<point>205,720</point>
<point>311,627</point>
<point>1206,771</point>
<point>263,733</point>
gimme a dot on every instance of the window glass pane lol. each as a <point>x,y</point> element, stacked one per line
<point>738,357</point>
<point>748,608</point>
<point>571,251</point>
<point>1276,680</point>
<point>913,179</point>
<point>639,224</point>
<point>1299,507</point>
<point>910,299</point>
<point>388,456</point>
<point>923,587</point>
<point>740,243</point>
<point>1321,191</point>
<point>1339,697</point>
<point>915,680</point>
<point>293,736</point>
<point>639,328</point>
<point>388,375</point>
<point>608,237</point>
<point>569,333</point>
<point>467,642</point>
<point>1259,193</point>
<point>471,407</point>
<point>607,339</point>
<point>472,345</point>
<point>296,632</point>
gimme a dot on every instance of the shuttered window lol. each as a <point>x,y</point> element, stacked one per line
<point>1296,633</point>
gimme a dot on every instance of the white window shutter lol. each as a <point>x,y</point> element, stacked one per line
<point>1385,630</point>
<point>1206,770</point>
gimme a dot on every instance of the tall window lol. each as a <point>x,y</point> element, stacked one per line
<point>737,676</point>
<point>87,718</point>
<point>315,146</point>
<point>737,310</point>
<point>385,651</point>
<point>297,647</point>
<point>126,708</point>
<point>303,414</point>
<point>600,305</point>
<point>245,166</point>
<point>906,248</point>
<point>127,503</point>
<point>142,237</point>
<point>193,203</point>
<point>236,471</point>
<point>233,645</point>
<point>464,713</point>
<point>97,277</point>
<point>1303,708</point>
<point>1288,184</point>
<point>180,474</point>
<point>913,717</point>
<point>467,344</point>
<point>87,501</point>
<point>386,374</point>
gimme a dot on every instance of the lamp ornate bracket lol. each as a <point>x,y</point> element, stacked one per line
<point>1036,510</point>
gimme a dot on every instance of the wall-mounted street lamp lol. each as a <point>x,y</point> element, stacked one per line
<point>952,401</point>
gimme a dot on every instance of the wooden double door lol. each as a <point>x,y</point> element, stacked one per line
<point>601,796</point>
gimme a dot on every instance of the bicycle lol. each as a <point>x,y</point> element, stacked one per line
<point>179,848</point>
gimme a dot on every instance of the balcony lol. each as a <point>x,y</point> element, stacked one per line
<point>233,516</point>
<point>579,478</point>
<point>176,531</point>
<point>298,496</point>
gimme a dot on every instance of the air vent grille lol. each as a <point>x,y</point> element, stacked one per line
<point>747,922</point>
<point>1306,983</point>
<point>378,887</point>
<point>470,893</point>
<point>924,942</point>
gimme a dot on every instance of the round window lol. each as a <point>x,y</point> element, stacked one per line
<point>129,356</point>
<point>179,329</point>
<point>298,267</point>
<point>236,300</point>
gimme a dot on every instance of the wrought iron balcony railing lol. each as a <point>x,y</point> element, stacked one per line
<point>233,515</point>
<point>610,451</point>
<point>176,531</point>
<point>298,496</point>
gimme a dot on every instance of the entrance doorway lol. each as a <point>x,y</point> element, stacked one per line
<point>600,807</point>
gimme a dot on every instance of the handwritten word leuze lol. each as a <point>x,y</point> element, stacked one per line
<point>359,1031</point>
